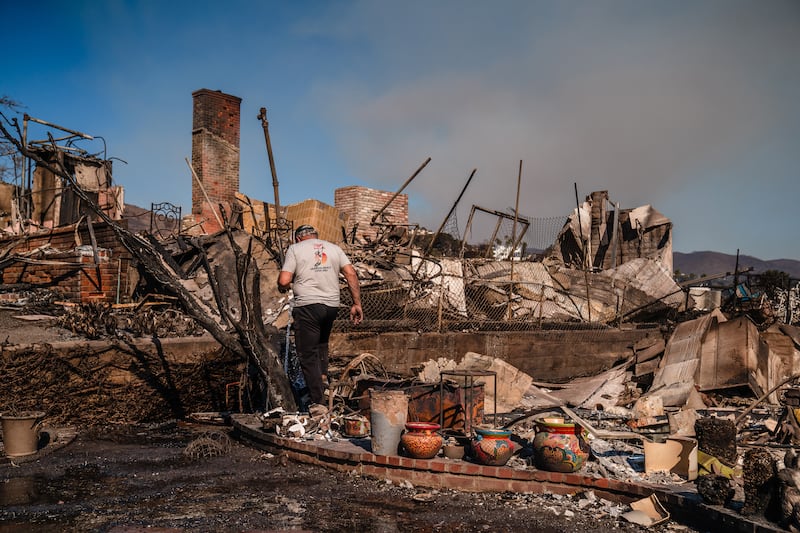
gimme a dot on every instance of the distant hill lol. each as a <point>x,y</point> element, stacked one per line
<point>709,263</point>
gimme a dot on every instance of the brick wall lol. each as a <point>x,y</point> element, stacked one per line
<point>71,270</point>
<point>215,153</point>
<point>360,204</point>
<point>327,220</point>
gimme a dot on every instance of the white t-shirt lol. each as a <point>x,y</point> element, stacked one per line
<point>315,264</point>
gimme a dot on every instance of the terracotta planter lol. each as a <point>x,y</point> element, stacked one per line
<point>559,446</point>
<point>421,440</point>
<point>453,451</point>
<point>492,447</point>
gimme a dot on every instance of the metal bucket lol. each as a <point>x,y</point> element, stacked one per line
<point>21,433</point>
<point>388,414</point>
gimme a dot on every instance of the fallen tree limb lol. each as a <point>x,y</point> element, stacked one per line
<point>250,342</point>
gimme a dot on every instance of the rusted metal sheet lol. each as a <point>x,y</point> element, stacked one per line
<point>426,402</point>
<point>724,361</point>
<point>682,355</point>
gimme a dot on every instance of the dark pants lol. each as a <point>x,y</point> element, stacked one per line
<point>312,329</point>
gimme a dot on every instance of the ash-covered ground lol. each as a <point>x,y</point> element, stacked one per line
<point>134,478</point>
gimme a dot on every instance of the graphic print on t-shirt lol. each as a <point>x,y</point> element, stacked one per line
<point>320,257</point>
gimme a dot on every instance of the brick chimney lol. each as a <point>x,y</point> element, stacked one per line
<point>215,154</point>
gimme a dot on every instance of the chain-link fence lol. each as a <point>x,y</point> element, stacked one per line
<point>466,301</point>
<point>501,284</point>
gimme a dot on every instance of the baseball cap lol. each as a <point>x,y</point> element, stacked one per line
<point>304,230</point>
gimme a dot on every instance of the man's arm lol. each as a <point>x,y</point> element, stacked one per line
<point>284,281</point>
<point>356,313</point>
<point>287,270</point>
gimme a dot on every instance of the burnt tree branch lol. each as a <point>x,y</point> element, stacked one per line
<point>251,341</point>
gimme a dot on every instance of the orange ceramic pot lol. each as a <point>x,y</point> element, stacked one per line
<point>421,440</point>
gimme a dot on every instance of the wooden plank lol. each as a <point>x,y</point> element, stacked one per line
<point>645,343</point>
<point>648,367</point>
<point>650,352</point>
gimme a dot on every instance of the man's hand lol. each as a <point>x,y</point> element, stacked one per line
<point>285,281</point>
<point>356,314</point>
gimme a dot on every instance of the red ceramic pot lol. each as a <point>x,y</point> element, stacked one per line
<point>421,440</point>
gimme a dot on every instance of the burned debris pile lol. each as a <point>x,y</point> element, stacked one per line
<point>731,448</point>
<point>91,385</point>
<point>667,386</point>
<point>234,319</point>
<point>158,319</point>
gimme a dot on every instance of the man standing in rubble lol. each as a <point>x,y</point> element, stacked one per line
<point>311,269</point>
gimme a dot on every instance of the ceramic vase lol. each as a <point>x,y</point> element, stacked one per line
<point>421,440</point>
<point>559,446</point>
<point>453,451</point>
<point>492,446</point>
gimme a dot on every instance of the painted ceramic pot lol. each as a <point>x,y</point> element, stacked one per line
<point>492,446</point>
<point>356,426</point>
<point>421,440</point>
<point>559,446</point>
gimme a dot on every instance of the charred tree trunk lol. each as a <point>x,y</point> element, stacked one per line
<point>250,338</point>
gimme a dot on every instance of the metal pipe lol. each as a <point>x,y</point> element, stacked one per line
<point>514,241</point>
<point>490,248</point>
<point>516,217</point>
<point>455,204</point>
<point>26,117</point>
<point>466,230</point>
<point>26,177</point>
<point>414,175</point>
<point>584,261</point>
<point>262,116</point>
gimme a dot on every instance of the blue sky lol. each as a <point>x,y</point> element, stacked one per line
<point>690,106</point>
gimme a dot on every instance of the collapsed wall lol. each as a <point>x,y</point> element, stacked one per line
<point>599,235</point>
<point>79,263</point>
